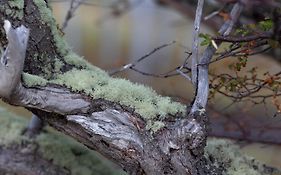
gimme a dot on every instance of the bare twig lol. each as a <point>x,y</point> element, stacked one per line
<point>85,2</point>
<point>133,64</point>
<point>265,35</point>
<point>74,4</point>
<point>120,8</point>
<point>183,74</point>
<point>215,13</point>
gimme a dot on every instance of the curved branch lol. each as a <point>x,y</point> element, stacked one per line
<point>12,60</point>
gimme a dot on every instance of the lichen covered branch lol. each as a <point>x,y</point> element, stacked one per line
<point>131,124</point>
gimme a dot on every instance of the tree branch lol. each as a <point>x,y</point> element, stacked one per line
<point>195,43</point>
<point>12,60</point>
<point>114,130</point>
<point>203,83</point>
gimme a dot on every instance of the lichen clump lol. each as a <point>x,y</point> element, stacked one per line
<point>33,80</point>
<point>226,154</point>
<point>11,127</point>
<point>13,8</point>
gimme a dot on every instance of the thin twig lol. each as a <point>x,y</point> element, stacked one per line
<point>74,4</point>
<point>215,12</point>
<point>183,74</point>
<point>133,64</point>
<point>85,2</point>
<point>265,35</point>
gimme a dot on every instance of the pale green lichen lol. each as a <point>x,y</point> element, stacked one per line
<point>33,80</point>
<point>98,84</point>
<point>18,4</point>
<point>8,12</point>
<point>68,153</point>
<point>227,155</point>
<point>47,71</point>
<point>61,150</point>
<point>48,19</point>
<point>13,9</point>
<point>73,59</point>
<point>11,127</point>
<point>58,65</point>
<point>62,48</point>
<point>154,126</point>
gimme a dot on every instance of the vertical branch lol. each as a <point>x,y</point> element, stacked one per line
<point>195,43</point>
<point>201,97</point>
<point>12,60</point>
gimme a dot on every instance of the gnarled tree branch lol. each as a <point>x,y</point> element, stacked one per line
<point>112,129</point>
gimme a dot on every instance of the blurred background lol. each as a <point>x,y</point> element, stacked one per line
<point>109,39</point>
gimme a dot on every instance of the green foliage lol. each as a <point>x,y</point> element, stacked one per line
<point>246,29</point>
<point>242,31</point>
<point>237,66</point>
<point>207,39</point>
<point>266,25</point>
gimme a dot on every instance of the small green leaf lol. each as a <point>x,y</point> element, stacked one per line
<point>207,39</point>
<point>266,25</point>
<point>205,42</point>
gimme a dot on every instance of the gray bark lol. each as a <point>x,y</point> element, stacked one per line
<point>202,90</point>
